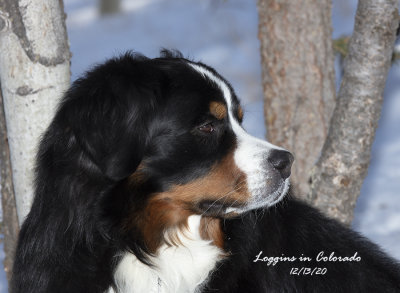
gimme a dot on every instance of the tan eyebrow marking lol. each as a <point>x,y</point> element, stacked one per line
<point>240,112</point>
<point>218,110</point>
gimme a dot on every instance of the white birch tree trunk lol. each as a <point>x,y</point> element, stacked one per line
<point>34,73</point>
<point>340,171</point>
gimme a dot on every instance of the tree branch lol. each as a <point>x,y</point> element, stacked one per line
<point>342,167</point>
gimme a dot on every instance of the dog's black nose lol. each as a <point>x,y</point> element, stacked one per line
<point>281,161</point>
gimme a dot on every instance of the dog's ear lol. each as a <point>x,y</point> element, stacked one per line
<point>108,113</point>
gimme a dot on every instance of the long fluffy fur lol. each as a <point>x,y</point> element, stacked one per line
<point>88,204</point>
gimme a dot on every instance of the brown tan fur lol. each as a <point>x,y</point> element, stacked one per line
<point>218,109</point>
<point>240,113</point>
<point>160,221</point>
<point>138,176</point>
<point>168,211</point>
<point>210,229</point>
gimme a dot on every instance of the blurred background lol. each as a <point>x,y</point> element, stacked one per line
<point>223,34</point>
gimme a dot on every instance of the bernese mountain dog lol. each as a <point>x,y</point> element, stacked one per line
<point>146,182</point>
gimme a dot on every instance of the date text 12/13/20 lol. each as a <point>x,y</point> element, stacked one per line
<point>303,271</point>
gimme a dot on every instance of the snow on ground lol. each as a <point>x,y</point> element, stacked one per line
<point>223,33</point>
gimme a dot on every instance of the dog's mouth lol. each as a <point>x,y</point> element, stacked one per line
<point>280,193</point>
<point>261,199</point>
<point>226,209</point>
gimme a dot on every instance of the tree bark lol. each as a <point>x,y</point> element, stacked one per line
<point>342,167</point>
<point>298,79</point>
<point>34,73</point>
<point>10,227</point>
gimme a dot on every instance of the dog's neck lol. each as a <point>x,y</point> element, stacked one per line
<point>180,268</point>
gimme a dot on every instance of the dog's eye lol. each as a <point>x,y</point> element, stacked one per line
<point>207,128</point>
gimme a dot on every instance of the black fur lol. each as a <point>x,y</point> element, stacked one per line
<point>295,229</point>
<point>131,110</point>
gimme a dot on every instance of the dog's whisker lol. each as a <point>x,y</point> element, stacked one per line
<point>224,197</point>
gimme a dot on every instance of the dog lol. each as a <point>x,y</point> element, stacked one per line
<point>147,182</point>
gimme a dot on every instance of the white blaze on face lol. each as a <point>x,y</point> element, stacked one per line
<point>265,185</point>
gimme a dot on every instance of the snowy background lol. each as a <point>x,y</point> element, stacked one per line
<point>223,34</point>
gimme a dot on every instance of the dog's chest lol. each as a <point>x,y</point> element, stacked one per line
<point>176,268</point>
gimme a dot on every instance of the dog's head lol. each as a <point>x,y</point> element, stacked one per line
<point>169,130</point>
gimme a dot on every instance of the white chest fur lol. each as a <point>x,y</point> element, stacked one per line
<point>176,269</point>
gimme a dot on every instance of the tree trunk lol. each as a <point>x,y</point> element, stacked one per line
<point>108,7</point>
<point>298,79</point>
<point>10,227</point>
<point>342,167</point>
<point>34,73</point>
